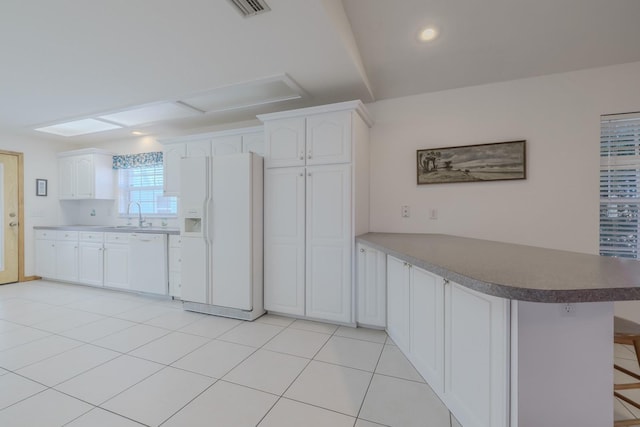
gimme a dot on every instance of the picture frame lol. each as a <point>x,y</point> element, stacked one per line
<point>497,161</point>
<point>41,187</point>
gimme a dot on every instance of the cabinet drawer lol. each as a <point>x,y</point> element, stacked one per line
<point>67,235</point>
<point>46,234</point>
<point>90,236</point>
<point>117,237</point>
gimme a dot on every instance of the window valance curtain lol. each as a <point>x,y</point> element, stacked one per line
<point>130,161</point>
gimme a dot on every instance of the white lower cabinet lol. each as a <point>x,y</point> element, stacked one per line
<point>175,266</point>
<point>427,325</point>
<point>116,261</point>
<point>67,256</point>
<point>398,299</point>
<point>457,339</point>
<point>371,287</point>
<point>476,381</point>
<point>91,263</point>
<point>46,254</point>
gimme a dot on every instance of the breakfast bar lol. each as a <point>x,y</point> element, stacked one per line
<point>506,334</point>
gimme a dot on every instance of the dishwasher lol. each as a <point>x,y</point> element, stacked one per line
<point>148,269</point>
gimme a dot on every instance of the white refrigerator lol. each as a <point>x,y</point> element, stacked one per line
<point>221,227</point>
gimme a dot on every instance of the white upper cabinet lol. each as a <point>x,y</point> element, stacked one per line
<point>223,145</point>
<point>199,148</point>
<point>329,138</point>
<point>206,145</point>
<point>86,174</point>
<point>171,167</point>
<point>253,143</point>
<point>285,142</point>
<point>315,140</point>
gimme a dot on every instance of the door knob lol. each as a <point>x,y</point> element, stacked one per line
<point>13,224</point>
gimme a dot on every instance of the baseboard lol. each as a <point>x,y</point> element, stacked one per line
<point>30,278</point>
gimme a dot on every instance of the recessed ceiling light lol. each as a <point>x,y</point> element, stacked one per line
<point>136,133</point>
<point>428,34</point>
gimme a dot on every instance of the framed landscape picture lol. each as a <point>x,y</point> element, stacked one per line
<point>498,161</point>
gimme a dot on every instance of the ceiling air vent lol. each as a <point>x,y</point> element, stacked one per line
<point>250,7</point>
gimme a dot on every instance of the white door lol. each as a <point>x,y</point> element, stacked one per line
<point>371,287</point>
<point>476,357</point>
<point>329,138</point>
<point>116,265</point>
<point>224,145</point>
<point>66,173</point>
<point>231,249</point>
<point>427,326</point>
<point>172,153</point>
<point>284,240</point>
<point>91,264</point>
<point>85,177</point>
<point>67,260</point>
<point>285,142</point>
<point>398,303</point>
<point>328,243</point>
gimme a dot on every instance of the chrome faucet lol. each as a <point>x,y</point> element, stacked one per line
<point>140,220</point>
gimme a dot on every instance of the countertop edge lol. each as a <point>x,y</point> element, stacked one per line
<point>511,292</point>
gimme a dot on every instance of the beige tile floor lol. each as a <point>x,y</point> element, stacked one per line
<point>79,356</point>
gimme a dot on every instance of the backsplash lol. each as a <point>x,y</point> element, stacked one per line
<point>102,212</point>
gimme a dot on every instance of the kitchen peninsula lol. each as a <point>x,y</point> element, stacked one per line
<point>505,334</point>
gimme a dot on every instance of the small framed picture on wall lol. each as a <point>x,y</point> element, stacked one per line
<point>41,187</point>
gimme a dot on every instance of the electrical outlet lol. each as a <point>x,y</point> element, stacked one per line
<point>568,310</point>
<point>433,213</point>
<point>404,211</point>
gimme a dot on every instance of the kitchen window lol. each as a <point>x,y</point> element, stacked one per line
<point>144,185</point>
<point>620,185</point>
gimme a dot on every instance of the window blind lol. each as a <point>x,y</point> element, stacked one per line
<point>620,185</point>
<point>144,185</point>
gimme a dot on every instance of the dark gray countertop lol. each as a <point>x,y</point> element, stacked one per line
<point>512,271</point>
<point>111,229</point>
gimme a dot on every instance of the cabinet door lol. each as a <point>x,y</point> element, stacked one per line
<point>427,326</point>
<point>199,148</point>
<point>284,142</point>
<point>284,244</point>
<point>253,143</point>
<point>66,261</point>
<point>85,177</point>
<point>116,266</point>
<point>46,258</point>
<point>67,175</point>
<point>172,154</point>
<point>227,145</point>
<point>329,138</point>
<point>90,264</point>
<point>329,243</point>
<point>476,362</point>
<point>398,303</point>
<point>371,287</point>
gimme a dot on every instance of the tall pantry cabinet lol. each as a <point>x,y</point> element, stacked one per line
<point>316,192</point>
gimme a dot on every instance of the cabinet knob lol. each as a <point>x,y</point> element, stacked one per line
<point>309,174</point>
<point>301,174</point>
<point>361,250</point>
<point>309,156</point>
<point>446,281</point>
<point>301,157</point>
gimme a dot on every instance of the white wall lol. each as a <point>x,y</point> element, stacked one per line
<point>40,161</point>
<point>555,207</point>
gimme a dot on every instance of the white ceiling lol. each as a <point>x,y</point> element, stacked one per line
<point>71,59</point>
